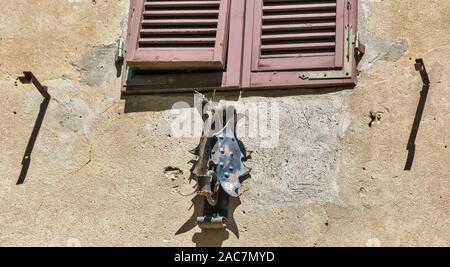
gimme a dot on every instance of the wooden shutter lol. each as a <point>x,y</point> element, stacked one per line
<point>175,65</point>
<point>205,45</point>
<point>295,43</point>
<point>178,34</point>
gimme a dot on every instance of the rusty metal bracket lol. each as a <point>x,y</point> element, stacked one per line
<point>211,223</point>
<point>359,48</point>
<point>420,66</point>
<point>29,78</point>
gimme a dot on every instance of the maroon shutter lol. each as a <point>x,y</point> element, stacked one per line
<point>295,43</point>
<point>184,46</point>
<point>178,34</point>
<point>205,45</point>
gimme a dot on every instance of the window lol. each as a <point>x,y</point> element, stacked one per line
<point>186,45</point>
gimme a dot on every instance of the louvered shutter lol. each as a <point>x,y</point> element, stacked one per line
<point>178,34</point>
<point>205,45</point>
<point>291,43</point>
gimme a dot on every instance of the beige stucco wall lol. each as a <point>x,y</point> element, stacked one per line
<point>97,171</point>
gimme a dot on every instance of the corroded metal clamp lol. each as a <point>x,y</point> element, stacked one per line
<point>30,78</point>
<point>420,67</point>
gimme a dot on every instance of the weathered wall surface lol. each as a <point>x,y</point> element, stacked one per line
<point>98,172</point>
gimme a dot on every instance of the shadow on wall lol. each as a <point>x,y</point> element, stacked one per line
<point>292,92</point>
<point>210,238</point>
<point>163,102</point>
<point>420,67</point>
<point>37,127</point>
<point>415,128</point>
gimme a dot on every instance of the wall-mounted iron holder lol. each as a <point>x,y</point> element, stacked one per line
<point>29,78</point>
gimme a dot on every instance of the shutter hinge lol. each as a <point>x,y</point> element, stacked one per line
<point>121,50</point>
<point>28,77</point>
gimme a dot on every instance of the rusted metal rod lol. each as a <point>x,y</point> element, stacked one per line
<point>420,66</point>
<point>30,78</point>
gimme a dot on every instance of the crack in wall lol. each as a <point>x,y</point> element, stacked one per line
<point>90,156</point>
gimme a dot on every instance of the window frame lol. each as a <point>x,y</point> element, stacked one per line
<point>239,73</point>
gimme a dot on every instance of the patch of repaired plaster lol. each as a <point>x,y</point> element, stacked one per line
<point>304,166</point>
<point>70,118</point>
<point>97,64</point>
<point>69,111</point>
<point>64,151</point>
<point>377,47</point>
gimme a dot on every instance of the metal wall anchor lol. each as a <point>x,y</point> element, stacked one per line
<point>420,67</point>
<point>30,78</point>
<point>26,161</point>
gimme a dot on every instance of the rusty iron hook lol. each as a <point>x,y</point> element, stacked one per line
<point>30,78</point>
<point>420,66</point>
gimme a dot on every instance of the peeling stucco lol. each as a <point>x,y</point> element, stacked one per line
<point>97,64</point>
<point>378,47</point>
<point>106,171</point>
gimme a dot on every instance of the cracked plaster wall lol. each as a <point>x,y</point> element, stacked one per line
<point>98,168</point>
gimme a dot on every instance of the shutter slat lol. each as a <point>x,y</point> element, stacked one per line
<point>292,17</point>
<point>177,24</point>
<point>165,4</point>
<point>169,22</point>
<point>176,40</point>
<point>178,31</point>
<point>305,46</point>
<point>183,25</point>
<point>181,13</point>
<point>300,7</point>
<point>325,54</point>
<point>298,36</point>
<point>298,28</point>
